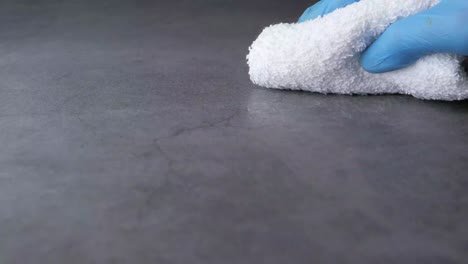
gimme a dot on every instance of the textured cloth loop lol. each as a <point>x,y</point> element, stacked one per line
<point>322,55</point>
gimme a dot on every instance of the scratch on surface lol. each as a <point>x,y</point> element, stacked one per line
<point>69,99</point>
<point>92,129</point>
<point>166,184</point>
<point>204,125</point>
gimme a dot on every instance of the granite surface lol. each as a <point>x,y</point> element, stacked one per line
<point>130,133</point>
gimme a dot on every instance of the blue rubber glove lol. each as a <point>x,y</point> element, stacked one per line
<point>443,28</point>
<point>323,7</point>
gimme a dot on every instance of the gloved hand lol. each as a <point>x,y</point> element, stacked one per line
<point>443,28</point>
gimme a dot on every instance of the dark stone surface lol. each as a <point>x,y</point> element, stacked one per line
<point>130,133</point>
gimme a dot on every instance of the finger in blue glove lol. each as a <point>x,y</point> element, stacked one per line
<point>322,8</point>
<point>442,29</point>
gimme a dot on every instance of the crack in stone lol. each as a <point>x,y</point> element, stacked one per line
<point>203,125</point>
<point>171,162</point>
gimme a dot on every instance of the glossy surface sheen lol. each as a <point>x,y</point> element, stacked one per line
<point>130,133</point>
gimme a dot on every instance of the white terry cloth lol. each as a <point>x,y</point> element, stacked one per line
<point>322,55</point>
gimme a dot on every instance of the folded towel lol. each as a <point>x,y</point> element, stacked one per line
<point>322,55</point>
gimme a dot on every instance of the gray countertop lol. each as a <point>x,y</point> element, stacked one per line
<point>130,133</point>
